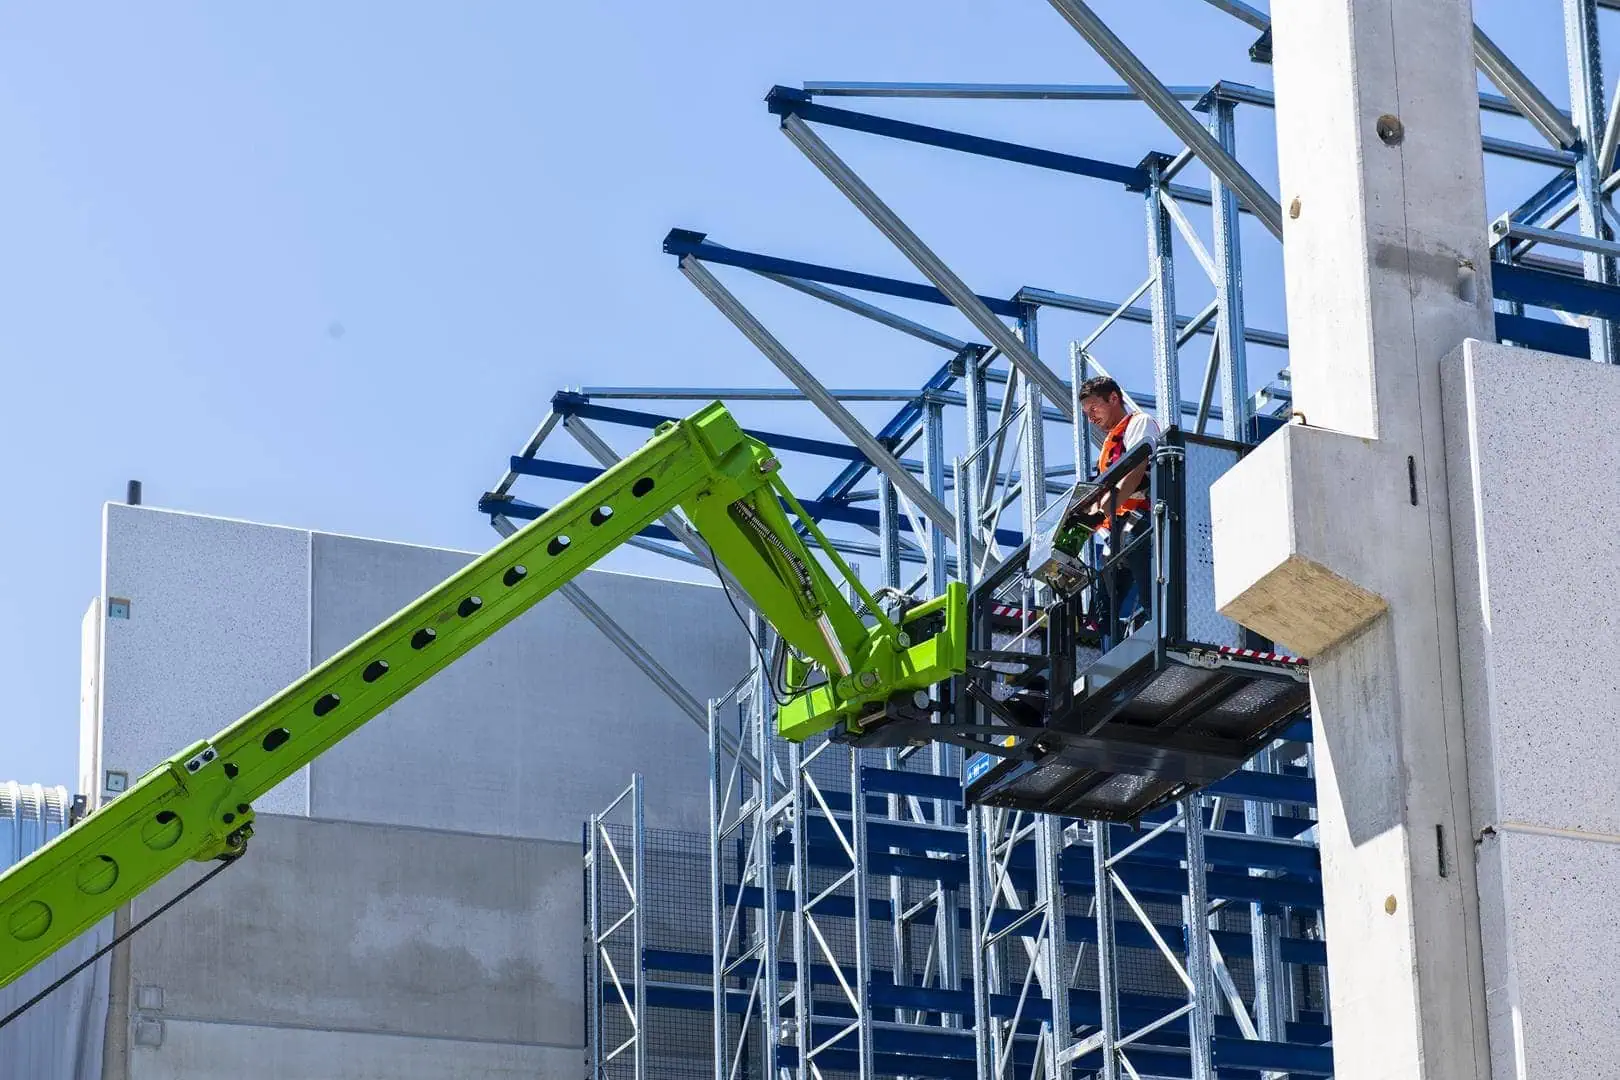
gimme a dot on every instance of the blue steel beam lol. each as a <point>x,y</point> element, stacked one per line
<point>683,242</point>
<point>819,509</point>
<point>1544,335</point>
<point>568,403</point>
<point>786,101</point>
<point>1539,288</point>
<point>1553,193</point>
<point>1130,932</point>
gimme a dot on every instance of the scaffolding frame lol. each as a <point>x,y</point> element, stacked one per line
<point>608,879</point>
<point>998,989</point>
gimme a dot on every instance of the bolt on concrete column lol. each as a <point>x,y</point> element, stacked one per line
<point>1334,538</point>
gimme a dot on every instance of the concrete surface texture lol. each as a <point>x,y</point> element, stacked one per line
<point>217,621</point>
<point>539,726</point>
<point>1535,550</point>
<point>1382,188</point>
<point>372,931</point>
<point>412,902</point>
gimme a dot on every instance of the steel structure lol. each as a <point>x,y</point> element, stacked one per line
<point>865,922</point>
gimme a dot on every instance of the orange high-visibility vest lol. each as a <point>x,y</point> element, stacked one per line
<point>1113,448</point>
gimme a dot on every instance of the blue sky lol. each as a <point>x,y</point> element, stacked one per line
<point>323,265</point>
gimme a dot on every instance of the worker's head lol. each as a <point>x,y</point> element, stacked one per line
<point>1101,402</point>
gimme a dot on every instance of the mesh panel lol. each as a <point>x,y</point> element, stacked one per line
<point>676,925</point>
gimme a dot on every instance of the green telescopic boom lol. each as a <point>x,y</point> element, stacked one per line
<point>197,805</point>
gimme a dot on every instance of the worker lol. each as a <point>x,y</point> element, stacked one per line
<point>1124,503</point>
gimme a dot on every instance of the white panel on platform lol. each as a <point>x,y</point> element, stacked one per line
<point>1205,463</point>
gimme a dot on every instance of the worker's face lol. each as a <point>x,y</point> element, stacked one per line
<point>1103,413</point>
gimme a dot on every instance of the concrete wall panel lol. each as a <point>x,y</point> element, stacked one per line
<point>1536,494</point>
<point>1533,500</point>
<point>202,1051</point>
<point>376,929</point>
<point>541,724</point>
<point>1554,975</point>
<point>218,621</point>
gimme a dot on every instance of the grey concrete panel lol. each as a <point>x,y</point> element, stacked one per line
<point>537,727</point>
<point>192,1050</point>
<point>1536,551</point>
<point>377,929</point>
<point>218,621</point>
<point>1553,983</point>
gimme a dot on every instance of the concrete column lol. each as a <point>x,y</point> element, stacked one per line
<point>1333,538</point>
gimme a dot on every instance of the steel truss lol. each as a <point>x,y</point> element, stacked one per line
<point>864,922</point>
<point>615,909</point>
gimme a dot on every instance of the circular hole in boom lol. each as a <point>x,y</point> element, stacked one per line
<point>30,921</point>
<point>423,637</point>
<point>601,514</point>
<point>642,486</point>
<point>469,606</point>
<point>97,875</point>
<point>558,545</point>
<point>515,575</point>
<point>276,739</point>
<point>163,831</point>
<point>326,704</point>
<point>375,670</point>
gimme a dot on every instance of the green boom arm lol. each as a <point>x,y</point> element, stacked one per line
<point>197,805</point>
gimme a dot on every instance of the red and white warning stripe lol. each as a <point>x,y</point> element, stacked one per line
<point>1007,611</point>
<point>1255,654</point>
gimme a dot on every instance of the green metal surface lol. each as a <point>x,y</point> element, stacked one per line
<point>887,662</point>
<point>197,805</point>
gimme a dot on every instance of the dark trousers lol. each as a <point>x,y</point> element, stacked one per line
<point>1130,581</point>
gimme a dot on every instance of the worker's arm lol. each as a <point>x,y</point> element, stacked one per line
<point>197,805</point>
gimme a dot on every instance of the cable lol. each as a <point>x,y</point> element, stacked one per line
<point>117,941</point>
<point>764,665</point>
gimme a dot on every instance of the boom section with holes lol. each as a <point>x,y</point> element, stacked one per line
<point>197,805</point>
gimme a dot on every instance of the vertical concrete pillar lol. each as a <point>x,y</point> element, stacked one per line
<point>1333,537</point>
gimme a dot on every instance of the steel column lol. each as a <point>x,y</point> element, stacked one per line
<point>1265,931</point>
<point>934,466</point>
<point>1201,1022</point>
<point>593,922</point>
<point>717,908</point>
<point>1048,860</point>
<point>1229,286</point>
<point>1586,101</point>
<point>1107,949</point>
<point>638,873</point>
<point>1161,265</point>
